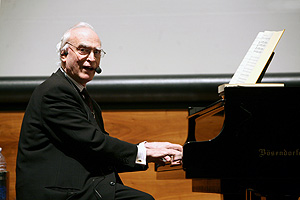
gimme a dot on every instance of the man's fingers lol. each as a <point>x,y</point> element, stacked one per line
<point>177,162</point>
<point>166,145</point>
<point>163,153</point>
<point>174,146</point>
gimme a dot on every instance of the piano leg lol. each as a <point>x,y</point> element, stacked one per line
<point>282,198</point>
<point>251,195</point>
<point>248,195</point>
<point>232,197</point>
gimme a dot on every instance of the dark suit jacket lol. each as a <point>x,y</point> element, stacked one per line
<point>64,152</point>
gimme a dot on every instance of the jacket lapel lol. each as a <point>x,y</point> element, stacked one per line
<point>97,121</point>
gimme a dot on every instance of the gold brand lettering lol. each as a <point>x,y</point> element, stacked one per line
<point>281,153</point>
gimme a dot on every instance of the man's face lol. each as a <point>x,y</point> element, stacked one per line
<point>81,67</point>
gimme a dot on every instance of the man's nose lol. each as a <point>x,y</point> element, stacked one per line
<point>91,56</point>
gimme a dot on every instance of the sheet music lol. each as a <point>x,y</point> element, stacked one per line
<point>250,60</point>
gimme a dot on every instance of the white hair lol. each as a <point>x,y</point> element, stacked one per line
<point>62,44</point>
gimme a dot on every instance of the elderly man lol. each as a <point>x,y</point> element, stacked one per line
<point>64,151</point>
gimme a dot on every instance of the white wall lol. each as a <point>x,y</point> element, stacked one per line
<point>149,36</point>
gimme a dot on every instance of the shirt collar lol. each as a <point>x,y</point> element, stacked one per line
<point>79,86</point>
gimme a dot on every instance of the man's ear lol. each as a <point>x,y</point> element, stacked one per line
<point>63,55</point>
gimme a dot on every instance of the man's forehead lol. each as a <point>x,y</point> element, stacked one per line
<point>84,44</point>
<point>85,36</point>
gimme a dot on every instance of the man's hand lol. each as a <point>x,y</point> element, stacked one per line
<point>163,152</point>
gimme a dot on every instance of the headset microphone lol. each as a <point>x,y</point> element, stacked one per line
<point>98,70</point>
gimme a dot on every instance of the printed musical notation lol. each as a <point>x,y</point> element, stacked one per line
<point>256,57</point>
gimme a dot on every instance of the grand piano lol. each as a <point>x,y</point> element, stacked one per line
<point>246,145</point>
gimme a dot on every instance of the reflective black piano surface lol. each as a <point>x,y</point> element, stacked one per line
<point>248,140</point>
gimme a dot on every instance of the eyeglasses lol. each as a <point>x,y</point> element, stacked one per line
<point>83,50</point>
